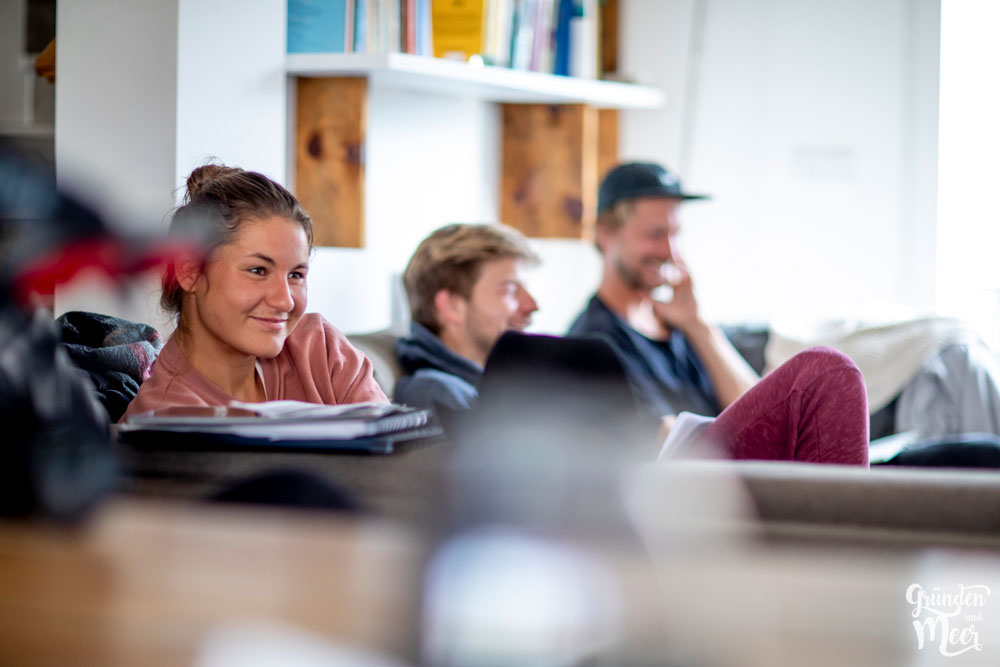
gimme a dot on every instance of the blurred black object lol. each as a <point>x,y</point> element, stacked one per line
<point>56,458</point>
<point>964,450</point>
<point>301,489</point>
<point>56,453</point>
<point>571,388</point>
<point>555,422</point>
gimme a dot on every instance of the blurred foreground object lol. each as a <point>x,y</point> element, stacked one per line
<point>548,547</point>
<point>47,237</point>
<point>57,456</point>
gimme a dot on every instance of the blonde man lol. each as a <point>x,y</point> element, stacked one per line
<point>465,288</point>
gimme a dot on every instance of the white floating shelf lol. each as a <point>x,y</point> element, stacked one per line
<point>494,84</point>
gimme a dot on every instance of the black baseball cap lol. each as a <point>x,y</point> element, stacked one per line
<point>640,179</point>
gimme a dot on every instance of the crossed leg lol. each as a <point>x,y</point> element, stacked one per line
<point>811,408</point>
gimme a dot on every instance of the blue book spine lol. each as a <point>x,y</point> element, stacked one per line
<point>425,38</point>
<point>360,25</point>
<point>564,15</point>
<point>316,26</point>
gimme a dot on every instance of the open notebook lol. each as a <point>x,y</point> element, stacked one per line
<point>364,427</point>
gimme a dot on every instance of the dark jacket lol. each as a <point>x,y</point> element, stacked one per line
<point>666,376</point>
<point>434,375</point>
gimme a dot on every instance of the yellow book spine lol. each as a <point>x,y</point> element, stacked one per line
<point>457,27</point>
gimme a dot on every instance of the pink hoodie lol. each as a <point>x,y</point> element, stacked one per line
<point>317,365</point>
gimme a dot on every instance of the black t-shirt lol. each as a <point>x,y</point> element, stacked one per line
<point>666,375</point>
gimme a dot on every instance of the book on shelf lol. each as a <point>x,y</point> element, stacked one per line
<point>585,40</point>
<point>522,34</point>
<point>458,27</point>
<point>348,26</point>
<point>541,47</point>
<point>386,26</point>
<point>317,26</point>
<point>408,9</point>
<point>373,26</point>
<point>497,32</point>
<point>391,23</point>
<point>425,32</point>
<point>551,36</point>
<point>360,43</point>
<point>561,37</point>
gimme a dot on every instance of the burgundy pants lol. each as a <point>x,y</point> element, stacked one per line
<point>812,408</point>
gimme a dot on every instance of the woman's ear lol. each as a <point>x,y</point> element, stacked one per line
<point>450,307</point>
<point>188,270</point>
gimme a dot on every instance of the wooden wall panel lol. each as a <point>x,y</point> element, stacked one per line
<point>607,141</point>
<point>609,37</point>
<point>548,169</point>
<point>329,157</point>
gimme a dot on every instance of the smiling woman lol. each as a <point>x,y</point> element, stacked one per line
<point>240,303</point>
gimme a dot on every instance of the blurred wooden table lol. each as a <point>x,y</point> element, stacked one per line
<point>144,583</point>
<point>152,583</point>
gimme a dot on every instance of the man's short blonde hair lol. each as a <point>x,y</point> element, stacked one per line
<point>615,217</point>
<point>452,258</point>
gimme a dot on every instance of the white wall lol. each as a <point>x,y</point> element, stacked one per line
<point>147,90</point>
<point>563,283</point>
<point>812,123</point>
<point>231,85</point>
<point>116,99</point>
<point>655,48</point>
<point>969,234</point>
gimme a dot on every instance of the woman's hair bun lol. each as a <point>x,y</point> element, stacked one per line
<point>202,178</point>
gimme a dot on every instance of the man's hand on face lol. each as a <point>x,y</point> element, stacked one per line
<point>681,311</point>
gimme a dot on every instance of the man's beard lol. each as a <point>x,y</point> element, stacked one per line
<point>632,277</point>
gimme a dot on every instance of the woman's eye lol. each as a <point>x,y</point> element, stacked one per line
<point>297,275</point>
<point>258,270</point>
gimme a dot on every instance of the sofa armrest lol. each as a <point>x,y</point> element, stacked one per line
<point>380,348</point>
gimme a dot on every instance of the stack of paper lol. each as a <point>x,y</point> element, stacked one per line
<point>282,420</point>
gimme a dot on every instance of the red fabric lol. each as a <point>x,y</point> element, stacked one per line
<point>812,408</point>
<point>110,257</point>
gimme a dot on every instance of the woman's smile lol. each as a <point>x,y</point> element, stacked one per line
<point>271,323</point>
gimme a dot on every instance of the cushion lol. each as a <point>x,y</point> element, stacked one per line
<point>380,348</point>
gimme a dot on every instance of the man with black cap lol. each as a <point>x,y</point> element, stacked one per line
<point>675,360</point>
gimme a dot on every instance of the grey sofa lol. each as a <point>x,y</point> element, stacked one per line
<point>797,501</point>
